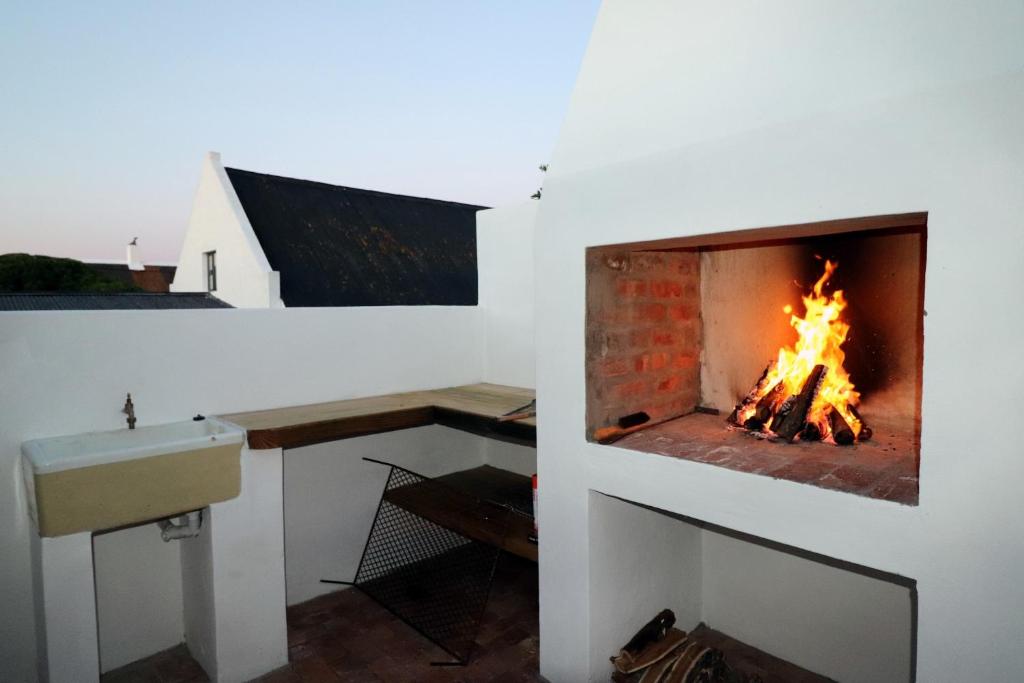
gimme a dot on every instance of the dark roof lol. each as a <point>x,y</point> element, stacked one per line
<point>152,279</point>
<point>100,301</point>
<point>340,246</point>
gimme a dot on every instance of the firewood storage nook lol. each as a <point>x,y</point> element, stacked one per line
<point>793,352</point>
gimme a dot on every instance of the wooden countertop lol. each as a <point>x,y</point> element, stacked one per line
<point>472,408</point>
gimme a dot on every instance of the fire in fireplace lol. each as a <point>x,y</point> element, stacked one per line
<point>806,392</point>
<point>677,329</point>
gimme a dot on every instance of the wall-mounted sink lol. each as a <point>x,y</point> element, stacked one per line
<point>102,480</point>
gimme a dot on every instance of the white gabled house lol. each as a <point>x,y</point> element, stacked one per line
<point>265,241</point>
<point>221,252</point>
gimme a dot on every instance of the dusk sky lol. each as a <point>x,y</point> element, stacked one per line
<point>109,107</point>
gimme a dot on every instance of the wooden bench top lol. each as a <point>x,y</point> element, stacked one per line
<point>474,408</point>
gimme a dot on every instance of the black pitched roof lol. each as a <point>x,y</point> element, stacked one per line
<point>341,246</point>
<point>101,301</point>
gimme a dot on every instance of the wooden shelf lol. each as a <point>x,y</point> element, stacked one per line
<point>474,408</point>
<point>470,502</point>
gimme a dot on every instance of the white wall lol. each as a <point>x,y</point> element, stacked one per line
<point>695,117</point>
<point>218,223</point>
<point>842,624</point>
<point>505,242</point>
<point>331,496</point>
<point>510,456</point>
<point>138,594</point>
<point>68,372</point>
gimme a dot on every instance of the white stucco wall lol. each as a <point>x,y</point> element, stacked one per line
<point>138,576</point>
<point>218,223</point>
<point>505,240</point>
<point>696,117</point>
<point>67,372</point>
<point>836,622</point>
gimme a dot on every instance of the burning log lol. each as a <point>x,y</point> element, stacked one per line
<point>791,424</point>
<point>841,431</point>
<point>821,330</point>
<point>765,408</point>
<point>811,432</point>
<point>865,432</point>
<point>752,395</point>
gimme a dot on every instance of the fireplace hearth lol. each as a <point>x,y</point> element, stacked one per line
<point>793,352</point>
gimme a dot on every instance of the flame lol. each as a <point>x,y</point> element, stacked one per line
<point>821,334</point>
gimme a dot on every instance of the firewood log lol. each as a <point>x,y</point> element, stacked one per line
<point>752,395</point>
<point>865,431</point>
<point>765,408</point>
<point>810,432</point>
<point>652,631</point>
<point>686,662</point>
<point>642,641</point>
<point>841,432</point>
<point>655,673</point>
<point>653,652</point>
<point>788,427</point>
<point>783,410</point>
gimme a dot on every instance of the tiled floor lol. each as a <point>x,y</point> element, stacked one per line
<point>345,636</point>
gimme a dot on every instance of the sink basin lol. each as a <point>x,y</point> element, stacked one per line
<point>103,480</point>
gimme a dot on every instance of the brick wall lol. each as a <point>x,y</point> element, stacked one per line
<point>643,334</point>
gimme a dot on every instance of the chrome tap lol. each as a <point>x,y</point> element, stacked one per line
<point>129,410</point>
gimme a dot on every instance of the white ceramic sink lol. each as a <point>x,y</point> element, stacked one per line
<point>102,480</point>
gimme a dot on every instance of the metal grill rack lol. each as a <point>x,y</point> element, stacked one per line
<point>434,574</point>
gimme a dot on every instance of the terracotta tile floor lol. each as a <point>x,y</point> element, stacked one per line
<point>345,636</point>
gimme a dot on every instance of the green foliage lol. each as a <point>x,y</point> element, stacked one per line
<point>27,273</point>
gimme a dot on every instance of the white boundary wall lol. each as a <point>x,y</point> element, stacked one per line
<point>68,372</point>
<point>696,117</point>
<point>505,239</point>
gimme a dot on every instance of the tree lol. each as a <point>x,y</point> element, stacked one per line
<point>29,273</point>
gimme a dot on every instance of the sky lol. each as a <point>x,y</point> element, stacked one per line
<point>106,109</point>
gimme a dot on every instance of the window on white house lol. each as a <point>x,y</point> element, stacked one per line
<point>211,271</point>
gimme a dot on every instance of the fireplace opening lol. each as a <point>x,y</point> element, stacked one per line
<point>793,352</point>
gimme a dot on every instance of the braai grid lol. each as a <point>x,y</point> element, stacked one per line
<point>434,579</point>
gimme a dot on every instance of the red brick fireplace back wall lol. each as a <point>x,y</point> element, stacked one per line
<point>643,334</point>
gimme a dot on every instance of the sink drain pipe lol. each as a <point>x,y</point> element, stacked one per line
<point>188,527</point>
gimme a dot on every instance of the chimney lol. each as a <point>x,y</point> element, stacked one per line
<point>134,263</point>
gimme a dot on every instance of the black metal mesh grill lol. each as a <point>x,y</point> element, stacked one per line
<point>437,580</point>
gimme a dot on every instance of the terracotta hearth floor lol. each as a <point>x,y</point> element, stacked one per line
<point>345,636</point>
<point>884,467</point>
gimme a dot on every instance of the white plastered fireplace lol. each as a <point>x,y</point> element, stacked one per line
<point>692,119</point>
